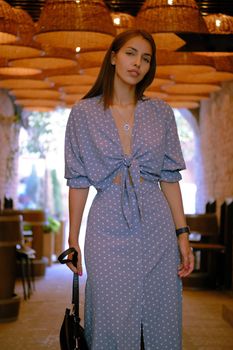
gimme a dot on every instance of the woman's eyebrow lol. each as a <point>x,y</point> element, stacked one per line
<point>133,48</point>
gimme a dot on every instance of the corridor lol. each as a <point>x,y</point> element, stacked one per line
<point>40,317</point>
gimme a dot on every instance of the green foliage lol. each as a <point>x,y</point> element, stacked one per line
<point>32,185</point>
<point>52,225</point>
<point>57,196</point>
<point>40,134</point>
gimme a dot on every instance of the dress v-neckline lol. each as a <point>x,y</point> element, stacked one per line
<point>118,134</point>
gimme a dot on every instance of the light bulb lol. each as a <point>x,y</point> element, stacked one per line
<point>117,21</point>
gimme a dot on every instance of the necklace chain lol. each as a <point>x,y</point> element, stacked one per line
<point>126,123</point>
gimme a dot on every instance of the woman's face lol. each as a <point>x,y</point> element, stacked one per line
<point>132,61</point>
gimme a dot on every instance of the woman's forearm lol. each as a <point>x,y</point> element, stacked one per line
<point>77,201</point>
<point>174,198</point>
<point>173,195</point>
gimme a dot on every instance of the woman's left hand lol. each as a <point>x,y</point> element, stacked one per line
<point>187,257</point>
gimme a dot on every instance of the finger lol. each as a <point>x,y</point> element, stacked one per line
<point>187,269</point>
<point>79,266</point>
<point>186,261</point>
<point>181,270</point>
<point>72,267</point>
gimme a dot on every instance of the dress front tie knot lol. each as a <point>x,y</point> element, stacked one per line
<point>127,162</point>
<point>130,183</point>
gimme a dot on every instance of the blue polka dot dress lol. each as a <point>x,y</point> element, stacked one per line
<point>131,252</point>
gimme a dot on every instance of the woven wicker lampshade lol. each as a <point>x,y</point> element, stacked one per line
<point>44,62</point>
<point>36,93</point>
<point>90,59</point>
<point>171,63</point>
<point>155,94</point>
<point>193,98</point>
<point>224,64</point>
<point>75,23</point>
<point>163,18</point>
<point>25,46</point>
<point>72,98</point>
<point>72,79</point>
<point>210,77</point>
<point>24,84</point>
<point>38,102</point>
<point>11,51</point>
<point>165,57</point>
<point>75,89</point>
<point>91,71</point>
<point>183,104</point>
<point>190,88</point>
<point>8,24</point>
<point>122,21</point>
<point>157,83</point>
<point>173,69</point>
<point>218,24</point>
<point>19,71</point>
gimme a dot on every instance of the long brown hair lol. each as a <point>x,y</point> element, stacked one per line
<point>104,82</point>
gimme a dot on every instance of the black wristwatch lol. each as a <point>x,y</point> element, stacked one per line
<point>181,230</point>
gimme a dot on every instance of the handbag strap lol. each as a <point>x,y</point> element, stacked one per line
<point>61,257</point>
<point>75,289</point>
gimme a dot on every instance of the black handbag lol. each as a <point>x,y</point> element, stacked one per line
<point>71,332</point>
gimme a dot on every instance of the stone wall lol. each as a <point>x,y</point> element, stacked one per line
<point>9,136</point>
<point>216,144</point>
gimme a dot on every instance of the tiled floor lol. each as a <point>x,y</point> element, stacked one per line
<point>40,317</point>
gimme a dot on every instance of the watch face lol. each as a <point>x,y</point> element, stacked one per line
<point>6,105</point>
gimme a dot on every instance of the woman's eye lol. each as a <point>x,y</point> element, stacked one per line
<point>146,59</point>
<point>129,53</point>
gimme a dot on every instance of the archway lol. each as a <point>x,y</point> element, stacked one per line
<point>188,131</point>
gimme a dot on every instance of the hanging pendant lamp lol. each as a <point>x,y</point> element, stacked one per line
<point>25,46</point>
<point>218,23</point>
<point>24,84</point>
<point>163,18</point>
<point>172,63</point>
<point>8,25</point>
<point>75,23</point>
<point>122,21</point>
<point>39,102</point>
<point>18,71</point>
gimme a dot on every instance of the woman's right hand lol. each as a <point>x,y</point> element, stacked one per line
<point>77,269</point>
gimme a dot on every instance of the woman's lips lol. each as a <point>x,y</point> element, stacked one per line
<point>134,72</point>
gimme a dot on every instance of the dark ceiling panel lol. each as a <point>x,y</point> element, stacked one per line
<point>129,6</point>
<point>132,7</point>
<point>215,6</point>
<point>31,6</point>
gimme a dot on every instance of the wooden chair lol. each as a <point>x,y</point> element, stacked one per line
<point>226,238</point>
<point>10,236</point>
<point>35,219</point>
<point>23,255</point>
<point>215,248</point>
<point>206,250</point>
<point>211,207</point>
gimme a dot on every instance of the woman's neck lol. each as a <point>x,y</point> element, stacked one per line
<point>123,95</point>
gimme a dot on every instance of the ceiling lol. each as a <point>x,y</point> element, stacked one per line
<point>130,6</point>
<point>171,77</point>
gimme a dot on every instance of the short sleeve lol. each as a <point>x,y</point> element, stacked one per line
<point>74,166</point>
<point>173,158</point>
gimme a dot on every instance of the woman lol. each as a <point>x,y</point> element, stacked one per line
<point>126,146</point>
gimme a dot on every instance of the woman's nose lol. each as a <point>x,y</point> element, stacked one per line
<point>137,62</point>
